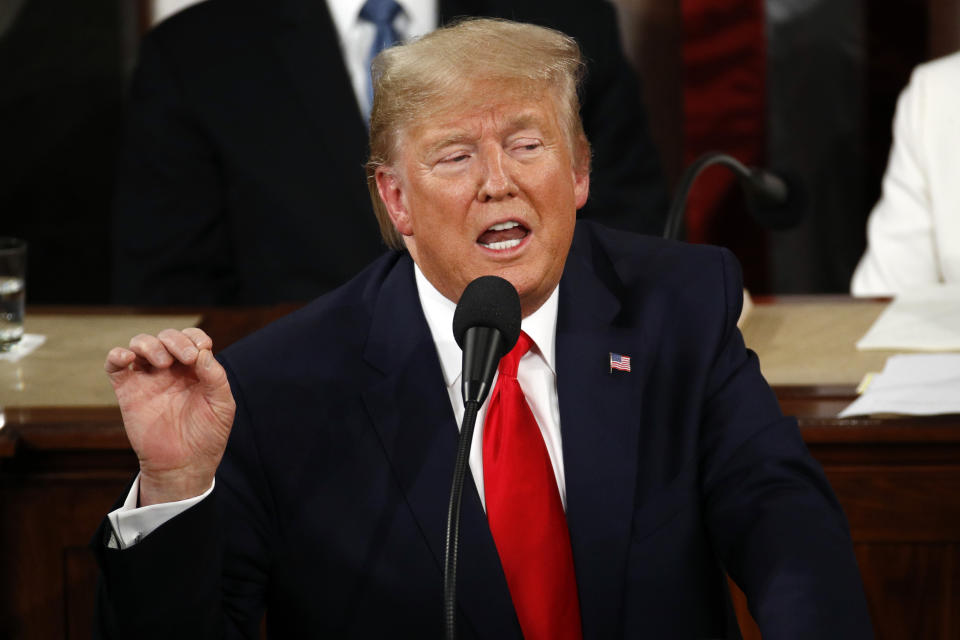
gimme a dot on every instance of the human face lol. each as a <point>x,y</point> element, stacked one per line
<point>489,189</point>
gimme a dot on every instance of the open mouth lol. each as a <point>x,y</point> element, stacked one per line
<point>503,235</point>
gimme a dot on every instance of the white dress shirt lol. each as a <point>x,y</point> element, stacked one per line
<point>536,375</point>
<point>356,36</point>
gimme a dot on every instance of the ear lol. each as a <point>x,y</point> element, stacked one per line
<point>581,184</point>
<point>391,188</point>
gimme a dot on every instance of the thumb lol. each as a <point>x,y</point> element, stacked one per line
<point>212,376</point>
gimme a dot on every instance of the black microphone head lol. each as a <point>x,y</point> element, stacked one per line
<point>489,301</point>
<point>775,200</point>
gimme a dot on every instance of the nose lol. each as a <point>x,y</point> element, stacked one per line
<point>495,181</point>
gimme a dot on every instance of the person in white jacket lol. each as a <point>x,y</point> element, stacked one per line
<point>913,232</point>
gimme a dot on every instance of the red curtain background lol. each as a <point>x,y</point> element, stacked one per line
<point>724,101</point>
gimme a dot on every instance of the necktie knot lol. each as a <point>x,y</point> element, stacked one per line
<point>510,362</point>
<point>380,12</point>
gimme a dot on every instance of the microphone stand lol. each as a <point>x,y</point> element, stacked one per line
<point>452,543</point>
<point>486,325</point>
<point>762,188</point>
<point>482,349</point>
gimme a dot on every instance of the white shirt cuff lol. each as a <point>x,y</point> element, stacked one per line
<point>132,523</point>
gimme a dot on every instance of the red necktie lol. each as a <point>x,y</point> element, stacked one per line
<point>525,513</point>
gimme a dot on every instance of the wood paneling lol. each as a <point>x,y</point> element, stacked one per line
<point>906,504</point>
<point>48,516</point>
<point>80,572</point>
<point>913,590</point>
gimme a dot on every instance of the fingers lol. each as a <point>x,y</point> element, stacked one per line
<point>118,359</point>
<point>161,351</point>
<point>171,346</point>
<point>210,372</point>
<point>151,349</point>
<point>207,368</point>
<point>179,345</point>
<point>200,339</point>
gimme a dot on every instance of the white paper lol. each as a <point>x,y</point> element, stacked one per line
<point>912,384</point>
<point>22,349</point>
<point>927,319</point>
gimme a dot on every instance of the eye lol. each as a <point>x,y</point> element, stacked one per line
<point>455,157</point>
<point>527,145</point>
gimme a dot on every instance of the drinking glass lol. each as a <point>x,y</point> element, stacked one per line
<point>13,291</point>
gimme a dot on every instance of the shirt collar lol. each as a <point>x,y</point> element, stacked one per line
<point>541,326</point>
<point>345,13</point>
<point>420,15</point>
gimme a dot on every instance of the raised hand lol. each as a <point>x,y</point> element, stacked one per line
<point>177,410</point>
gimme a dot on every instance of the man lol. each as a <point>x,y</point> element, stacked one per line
<point>240,179</point>
<point>658,474</point>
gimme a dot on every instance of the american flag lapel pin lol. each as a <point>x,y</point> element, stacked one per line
<point>619,362</point>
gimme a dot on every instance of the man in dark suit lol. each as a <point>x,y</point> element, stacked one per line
<point>241,178</point>
<point>332,433</point>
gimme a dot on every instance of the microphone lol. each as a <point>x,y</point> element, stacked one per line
<point>774,201</point>
<point>486,325</point>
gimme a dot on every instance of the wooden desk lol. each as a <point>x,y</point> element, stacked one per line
<point>897,479</point>
<point>61,468</point>
<point>64,458</point>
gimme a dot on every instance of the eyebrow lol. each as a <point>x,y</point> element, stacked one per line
<point>457,137</point>
<point>524,120</point>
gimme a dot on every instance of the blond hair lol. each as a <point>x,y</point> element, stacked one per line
<point>416,81</point>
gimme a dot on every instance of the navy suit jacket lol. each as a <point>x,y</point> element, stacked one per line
<point>330,504</point>
<point>241,179</point>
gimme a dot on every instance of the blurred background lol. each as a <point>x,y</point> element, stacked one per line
<point>804,87</point>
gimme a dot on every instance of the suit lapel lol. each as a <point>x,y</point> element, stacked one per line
<point>599,414</point>
<point>411,412</point>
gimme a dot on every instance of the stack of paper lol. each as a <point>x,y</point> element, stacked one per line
<point>927,319</point>
<point>915,384</point>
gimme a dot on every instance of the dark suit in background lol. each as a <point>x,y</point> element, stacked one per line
<point>242,182</point>
<point>330,504</point>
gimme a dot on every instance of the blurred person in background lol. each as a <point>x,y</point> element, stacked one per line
<point>913,233</point>
<point>241,179</point>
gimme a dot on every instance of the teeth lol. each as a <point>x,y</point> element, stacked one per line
<point>505,244</point>
<point>503,226</point>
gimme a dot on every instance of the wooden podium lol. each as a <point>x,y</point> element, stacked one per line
<point>898,479</point>
<point>64,459</point>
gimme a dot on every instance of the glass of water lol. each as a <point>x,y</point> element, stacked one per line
<point>13,274</point>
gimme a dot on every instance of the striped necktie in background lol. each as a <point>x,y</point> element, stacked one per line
<point>380,13</point>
